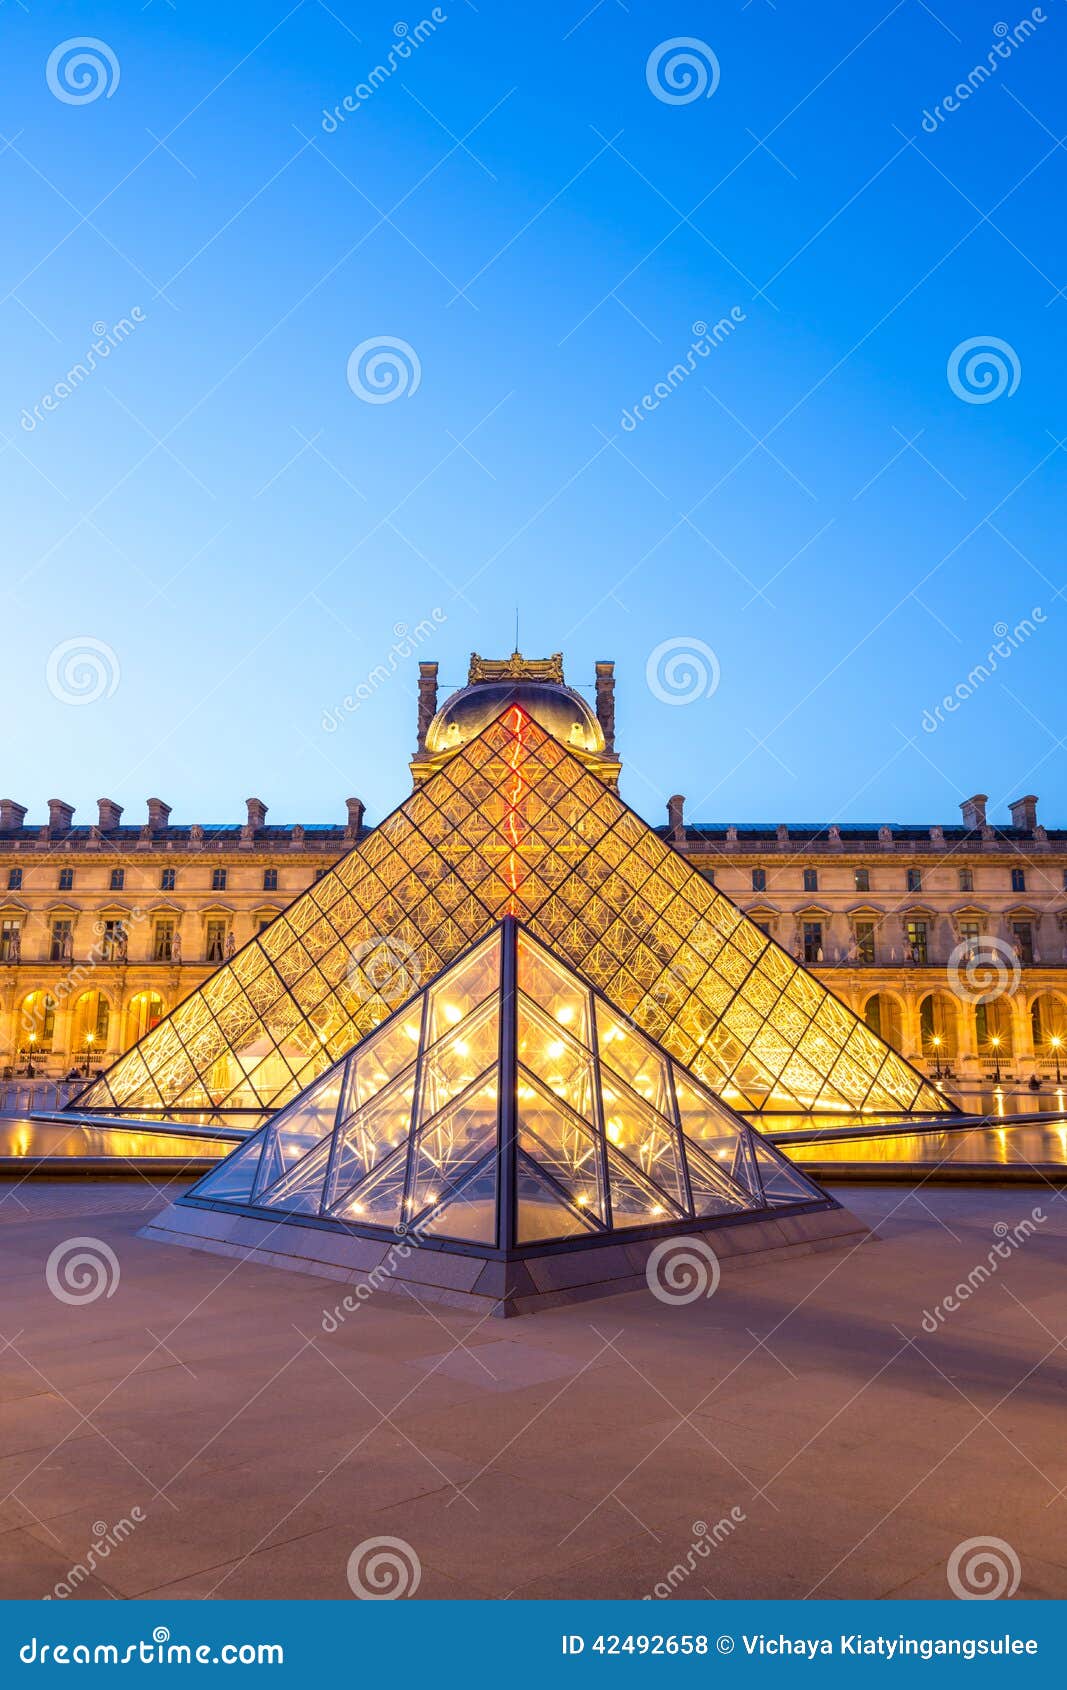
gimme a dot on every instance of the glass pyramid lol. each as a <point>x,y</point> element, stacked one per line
<point>512,824</point>
<point>507,1106</point>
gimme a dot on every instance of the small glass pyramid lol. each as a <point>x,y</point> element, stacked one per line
<point>513,824</point>
<point>509,1105</point>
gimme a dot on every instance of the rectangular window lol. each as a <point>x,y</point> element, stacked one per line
<point>865,941</point>
<point>215,941</point>
<point>759,880</point>
<point>915,880</point>
<point>264,921</point>
<point>1018,880</point>
<point>811,880</point>
<point>66,880</point>
<point>218,880</point>
<point>270,880</point>
<point>813,951</point>
<point>764,927</point>
<point>118,879</point>
<point>966,880</point>
<point>1023,935</point>
<point>113,941</point>
<point>916,941</point>
<point>862,878</point>
<point>709,876</point>
<point>163,941</point>
<point>14,879</point>
<point>167,879</point>
<point>61,947</point>
<point>10,941</point>
<point>970,934</point>
<point>320,872</point>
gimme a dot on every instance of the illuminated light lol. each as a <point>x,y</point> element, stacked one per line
<point>658,1210</point>
<point>431,1197</point>
<point>452,1012</point>
<point>412,1032</point>
<point>614,1132</point>
<point>566,1015</point>
<point>355,1208</point>
<point>583,1202</point>
<point>555,1049</point>
<point>460,1048</point>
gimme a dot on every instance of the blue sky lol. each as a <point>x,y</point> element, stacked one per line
<point>241,532</point>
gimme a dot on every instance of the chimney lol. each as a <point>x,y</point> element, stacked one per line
<point>355,807</point>
<point>12,815</point>
<point>1024,813</point>
<point>605,702</point>
<point>158,815</point>
<point>974,811</point>
<point>675,818</point>
<point>257,814</point>
<point>60,816</point>
<point>427,700</point>
<point>110,814</point>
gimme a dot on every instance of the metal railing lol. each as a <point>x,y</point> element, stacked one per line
<point>25,1097</point>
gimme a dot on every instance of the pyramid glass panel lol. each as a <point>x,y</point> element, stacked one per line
<point>448,1151</point>
<point>544,1211</point>
<point>562,1145</point>
<point>512,824</point>
<point>506,1131</point>
<point>371,1133</point>
<point>559,1061</point>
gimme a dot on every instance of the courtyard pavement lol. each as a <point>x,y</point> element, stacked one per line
<point>800,1433</point>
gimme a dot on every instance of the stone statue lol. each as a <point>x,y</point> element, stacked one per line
<point>176,946</point>
<point>196,834</point>
<point>231,946</point>
<point>14,945</point>
<point>67,946</point>
<point>122,944</point>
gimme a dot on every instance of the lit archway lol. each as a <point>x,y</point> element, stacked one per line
<point>1048,1023</point>
<point>993,1028</point>
<point>145,1012</point>
<point>90,1022</point>
<point>35,1025</point>
<point>939,1026</point>
<point>882,1015</point>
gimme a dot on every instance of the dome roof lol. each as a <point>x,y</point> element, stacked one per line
<point>562,713</point>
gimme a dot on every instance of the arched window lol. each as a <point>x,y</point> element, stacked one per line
<point>145,1012</point>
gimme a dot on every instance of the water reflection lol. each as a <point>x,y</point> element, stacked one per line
<point>26,1140</point>
<point>1020,1145</point>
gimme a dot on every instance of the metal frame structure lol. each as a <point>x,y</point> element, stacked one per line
<point>513,823</point>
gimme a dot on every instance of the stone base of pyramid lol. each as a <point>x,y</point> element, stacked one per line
<point>489,1284</point>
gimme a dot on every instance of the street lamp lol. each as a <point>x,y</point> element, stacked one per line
<point>30,1070</point>
<point>1056,1042</point>
<point>995,1042</point>
<point>937,1054</point>
<point>88,1051</point>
